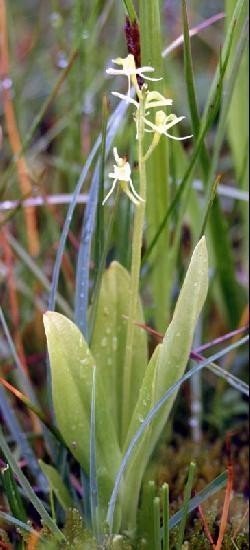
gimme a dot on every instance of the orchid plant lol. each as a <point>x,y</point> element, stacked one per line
<point>109,387</point>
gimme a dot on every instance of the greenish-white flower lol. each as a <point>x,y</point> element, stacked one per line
<point>122,173</point>
<point>130,70</point>
<point>163,123</point>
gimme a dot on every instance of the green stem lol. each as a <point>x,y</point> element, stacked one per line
<point>135,273</point>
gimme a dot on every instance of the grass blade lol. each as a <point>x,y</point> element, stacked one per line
<point>157,531</point>
<point>146,525</point>
<point>209,205</point>
<point>187,496</point>
<point>100,229</point>
<point>218,483</point>
<point>130,9</point>
<point>165,516</point>
<point>11,491</point>
<point>84,256</point>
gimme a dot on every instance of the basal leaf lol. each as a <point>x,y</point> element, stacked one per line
<point>72,377</point>
<point>109,340</point>
<point>166,366</point>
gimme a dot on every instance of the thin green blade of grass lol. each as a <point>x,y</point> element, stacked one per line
<point>146,525</point>
<point>130,9</point>
<point>234,381</point>
<point>30,494</point>
<point>157,523</point>
<point>100,229</point>
<point>151,415</point>
<point>157,167</point>
<point>187,497</point>
<point>84,256</point>
<point>20,438</point>
<point>225,53</point>
<point>12,493</point>
<point>213,487</point>
<point>189,77</point>
<point>209,205</point>
<point>165,516</point>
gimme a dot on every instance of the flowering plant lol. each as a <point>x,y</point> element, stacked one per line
<point>109,384</point>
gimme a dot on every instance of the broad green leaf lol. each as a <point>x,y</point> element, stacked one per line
<point>72,376</point>
<point>109,340</point>
<point>166,366</point>
<point>57,485</point>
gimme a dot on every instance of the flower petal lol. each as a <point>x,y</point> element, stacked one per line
<point>126,98</point>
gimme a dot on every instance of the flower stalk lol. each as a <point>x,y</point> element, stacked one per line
<point>135,267</point>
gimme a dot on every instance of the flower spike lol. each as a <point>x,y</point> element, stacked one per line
<point>122,173</point>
